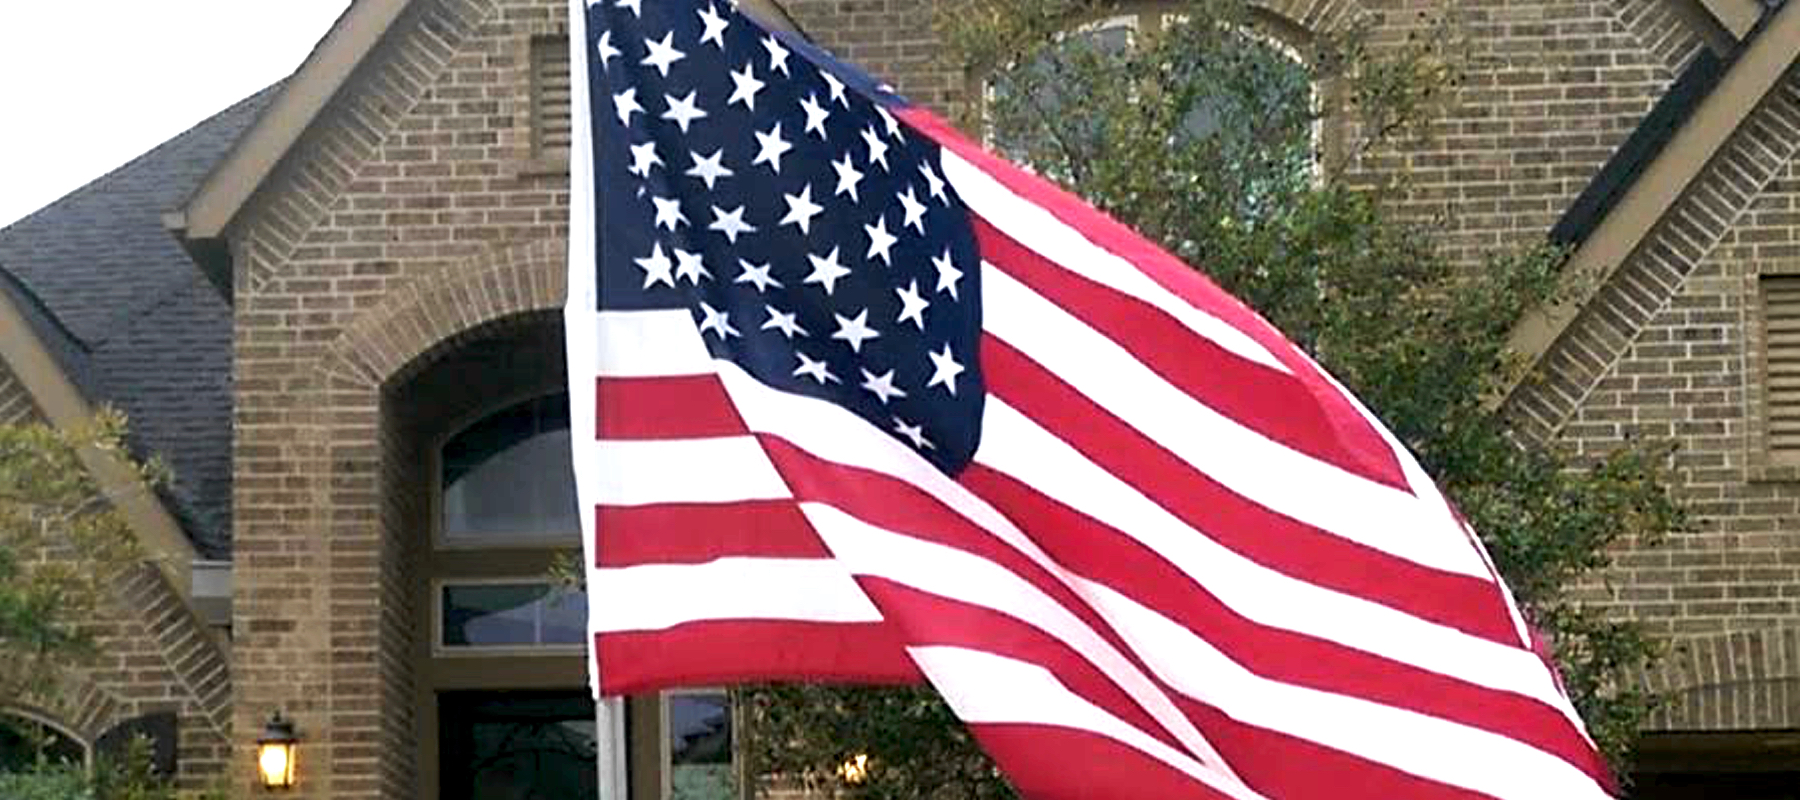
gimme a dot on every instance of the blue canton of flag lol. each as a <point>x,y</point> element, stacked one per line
<point>814,240</point>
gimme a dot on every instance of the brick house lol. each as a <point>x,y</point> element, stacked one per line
<point>332,309</point>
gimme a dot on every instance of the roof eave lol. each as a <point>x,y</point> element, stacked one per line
<point>1759,65</point>
<point>255,155</point>
<point>250,162</point>
<point>63,405</point>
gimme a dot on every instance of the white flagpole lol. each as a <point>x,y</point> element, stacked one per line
<point>579,329</point>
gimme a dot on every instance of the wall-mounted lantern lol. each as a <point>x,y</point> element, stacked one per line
<point>275,751</point>
<point>855,770</point>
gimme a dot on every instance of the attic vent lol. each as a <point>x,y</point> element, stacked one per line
<point>1781,331</point>
<point>549,95</point>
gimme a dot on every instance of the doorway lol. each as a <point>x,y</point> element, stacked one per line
<point>516,746</point>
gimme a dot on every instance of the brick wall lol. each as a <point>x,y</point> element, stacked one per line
<point>154,656</point>
<point>1728,592</point>
<point>1551,89</point>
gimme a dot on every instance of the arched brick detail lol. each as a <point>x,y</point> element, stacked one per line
<point>387,342</point>
<point>330,155</point>
<point>1730,681</point>
<point>1660,30</point>
<point>1312,15</point>
<point>1642,286</point>
<point>76,705</point>
<point>192,653</point>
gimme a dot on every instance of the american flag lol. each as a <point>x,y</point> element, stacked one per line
<point>870,404</point>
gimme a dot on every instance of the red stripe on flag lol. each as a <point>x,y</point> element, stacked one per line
<point>1166,270</point>
<point>729,652</point>
<point>667,407</point>
<point>1280,543</point>
<point>694,533</point>
<point>954,623</point>
<point>1106,556</point>
<point>1273,653</point>
<point>1053,763</point>
<point>1286,408</point>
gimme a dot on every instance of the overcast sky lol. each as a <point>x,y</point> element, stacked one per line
<point>87,85</point>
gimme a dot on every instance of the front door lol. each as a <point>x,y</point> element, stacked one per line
<point>516,746</point>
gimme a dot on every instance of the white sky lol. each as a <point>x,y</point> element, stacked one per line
<point>87,85</point>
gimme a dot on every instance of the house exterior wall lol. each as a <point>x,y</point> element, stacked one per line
<point>153,656</point>
<point>415,211</point>
<point>1727,592</point>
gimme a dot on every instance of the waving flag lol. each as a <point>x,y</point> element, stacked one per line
<point>870,404</point>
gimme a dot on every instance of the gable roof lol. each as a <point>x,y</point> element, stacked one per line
<point>1660,225</point>
<point>133,322</point>
<point>218,199</point>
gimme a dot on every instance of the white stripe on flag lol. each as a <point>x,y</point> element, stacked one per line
<point>948,572</point>
<point>1032,226</point>
<point>1015,445</point>
<point>1254,466</point>
<point>983,688</point>
<point>714,470</point>
<point>659,596</point>
<point>660,343</point>
<point>1406,740</point>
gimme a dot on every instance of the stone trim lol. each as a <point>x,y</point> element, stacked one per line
<point>324,160</point>
<point>1650,275</point>
<point>1660,29</point>
<point>1745,680</point>
<point>193,652</point>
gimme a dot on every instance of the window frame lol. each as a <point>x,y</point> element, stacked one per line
<point>665,749</point>
<point>1276,32</point>
<point>439,537</point>
<point>439,649</point>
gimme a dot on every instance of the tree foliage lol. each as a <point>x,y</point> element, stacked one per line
<point>62,548</point>
<point>1201,129</point>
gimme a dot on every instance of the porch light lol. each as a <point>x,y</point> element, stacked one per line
<point>855,771</point>
<point>275,753</point>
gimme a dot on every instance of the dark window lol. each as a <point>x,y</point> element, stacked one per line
<point>517,745</point>
<point>25,742</point>
<point>510,476</point>
<point>700,747</point>
<point>512,615</point>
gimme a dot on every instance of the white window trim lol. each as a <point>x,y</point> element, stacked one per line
<point>441,650</point>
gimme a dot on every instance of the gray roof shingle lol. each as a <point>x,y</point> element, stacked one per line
<point>134,321</point>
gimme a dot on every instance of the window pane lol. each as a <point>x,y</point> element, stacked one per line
<point>1045,88</point>
<point>512,615</point>
<point>700,748</point>
<point>24,742</point>
<point>511,475</point>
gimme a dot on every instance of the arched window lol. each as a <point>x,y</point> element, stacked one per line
<point>507,479</point>
<point>1232,94</point>
<point>27,740</point>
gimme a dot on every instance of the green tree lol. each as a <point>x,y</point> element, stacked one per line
<point>63,547</point>
<point>1202,134</point>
